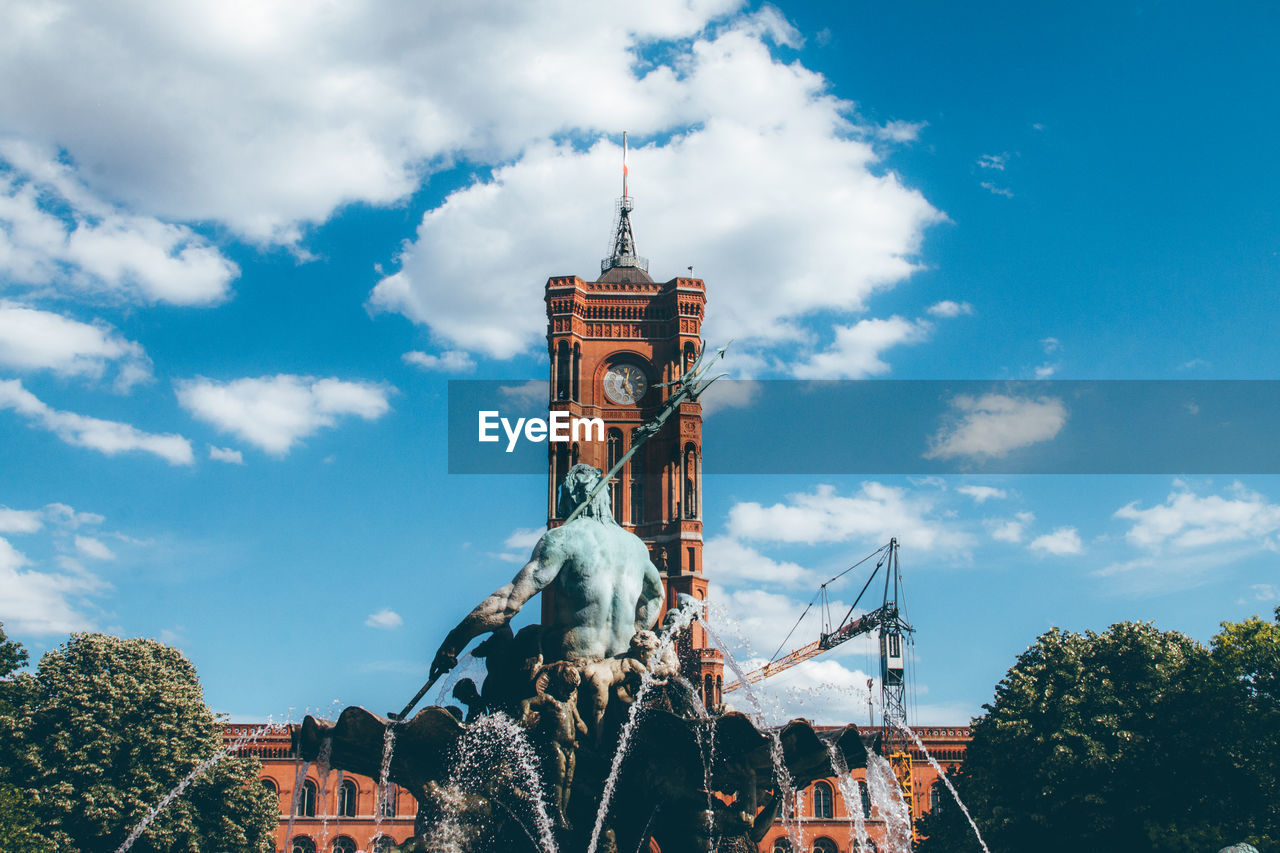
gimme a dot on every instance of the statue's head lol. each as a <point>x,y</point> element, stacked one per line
<point>643,645</point>
<point>578,484</point>
<point>559,679</point>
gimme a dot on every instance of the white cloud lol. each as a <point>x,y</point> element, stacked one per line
<point>982,494</point>
<point>89,246</point>
<point>1009,529</point>
<point>993,161</point>
<point>1265,592</point>
<point>873,514</point>
<point>533,393</point>
<point>19,520</point>
<point>226,454</point>
<point>42,603</point>
<point>995,424</point>
<point>856,351</point>
<point>1061,542</point>
<point>524,538</point>
<point>729,394</point>
<point>1187,520</point>
<point>266,115</point>
<point>94,548</point>
<point>32,339</point>
<point>950,308</point>
<point>820,230</point>
<point>274,412</point>
<point>385,619</point>
<point>109,437</point>
<point>66,516</point>
<point>1046,370</point>
<point>996,190</point>
<point>1050,345</point>
<point>449,361</point>
<point>735,562</point>
<point>900,131</point>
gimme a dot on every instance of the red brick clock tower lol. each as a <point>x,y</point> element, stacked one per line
<point>611,341</point>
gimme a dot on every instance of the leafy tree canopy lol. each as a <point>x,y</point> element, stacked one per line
<point>105,728</point>
<point>1132,739</point>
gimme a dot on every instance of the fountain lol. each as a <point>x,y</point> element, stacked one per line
<point>585,735</point>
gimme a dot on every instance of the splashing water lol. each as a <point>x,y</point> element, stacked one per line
<point>684,618</point>
<point>201,768</point>
<point>297,798</point>
<point>886,799</point>
<point>943,776</point>
<point>322,770</point>
<point>388,747</point>
<point>337,787</point>
<point>785,783</point>
<point>852,795</point>
<point>489,739</point>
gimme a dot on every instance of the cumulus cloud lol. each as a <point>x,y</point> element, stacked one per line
<point>857,349</point>
<point>814,186</point>
<point>1061,542</point>
<point>385,619</point>
<point>739,563</point>
<point>982,494</point>
<point>872,514</point>
<point>94,548</point>
<point>32,339</point>
<point>55,233</point>
<point>1187,520</point>
<point>41,602</point>
<point>267,115</point>
<point>109,437</point>
<point>949,308</point>
<point>995,424</point>
<point>226,454</point>
<point>993,161</point>
<point>19,520</point>
<point>449,361</point>
<point>524,538</point>
<point>1009,529</point>
<point>275,412</point>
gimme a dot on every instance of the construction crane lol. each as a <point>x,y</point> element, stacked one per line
<point>895,632</point>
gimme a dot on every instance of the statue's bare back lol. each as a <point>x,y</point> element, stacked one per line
<point>603,584</point>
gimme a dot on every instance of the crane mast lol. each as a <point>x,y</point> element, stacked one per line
<point>889,621</point>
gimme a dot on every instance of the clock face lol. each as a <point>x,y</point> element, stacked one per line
<point>625,383</point>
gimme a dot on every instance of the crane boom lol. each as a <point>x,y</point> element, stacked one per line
<point>884,618</point>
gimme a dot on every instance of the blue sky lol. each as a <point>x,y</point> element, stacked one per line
<point>242,251</point>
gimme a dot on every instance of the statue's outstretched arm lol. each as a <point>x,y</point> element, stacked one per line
<point>496,610</point>
<point>650,603</point>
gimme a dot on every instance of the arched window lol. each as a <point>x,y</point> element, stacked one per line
<point>636,466</point>
<point>689,464</point>
<point>866,798</point>
<point>271,788</point>
<point>782,845</point>
<point>564,364</point>
<point>559,470</point>
<point>302,844</point>
<point>347,799</point>
<point>382,844</point>
<point>935,797</point>
<point>615,485</point>
<point>825,845</point>
<point>342,844</point>
<point>822,803</point>
<point>709,690</point>
<point>690,356</point>
<point>307,802</point>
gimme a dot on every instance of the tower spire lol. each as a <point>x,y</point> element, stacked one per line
<point>623,252</point>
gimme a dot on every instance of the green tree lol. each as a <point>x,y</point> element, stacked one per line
<point>1125,740</point>
<point>18,823</point>
<point>109,726</point>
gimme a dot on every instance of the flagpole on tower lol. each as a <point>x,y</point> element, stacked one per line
<point>624,164</point>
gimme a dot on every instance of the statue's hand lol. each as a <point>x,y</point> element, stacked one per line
<point>445,661</point>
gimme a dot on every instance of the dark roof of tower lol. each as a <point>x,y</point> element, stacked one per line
<point>625,275</point>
